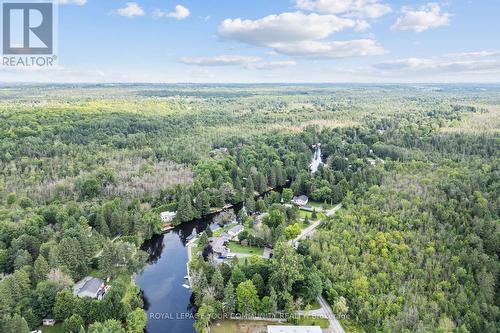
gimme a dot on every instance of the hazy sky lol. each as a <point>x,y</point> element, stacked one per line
<point>274,41</point>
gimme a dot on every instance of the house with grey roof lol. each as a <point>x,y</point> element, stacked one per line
<point>219,247</point>
<point>300,200</point>
<point>90,287</point>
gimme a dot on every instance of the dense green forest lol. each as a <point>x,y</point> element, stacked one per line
<point>415,249</point>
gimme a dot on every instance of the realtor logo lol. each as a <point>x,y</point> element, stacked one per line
<point>28,33</point>
<point>28,28</point>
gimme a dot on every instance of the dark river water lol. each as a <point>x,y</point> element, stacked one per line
<point>166,301</point>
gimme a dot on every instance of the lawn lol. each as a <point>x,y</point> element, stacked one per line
<point>57,328</point>
<point>237,248</point>
<point>350,327</point>
<point>303,214</point>
<point>241,326</point>
<point>313,321</point>
<point>318,204</point>
<point>315,305</point>
<point>223,229</point>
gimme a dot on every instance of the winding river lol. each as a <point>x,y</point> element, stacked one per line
<point>166,301</point>
<point>316,159</point>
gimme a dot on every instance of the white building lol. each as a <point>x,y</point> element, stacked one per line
<point>300,200</point>
<point>167,217</point>
<point>294,329</point>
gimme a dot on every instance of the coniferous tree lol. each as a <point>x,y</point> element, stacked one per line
<point>185,210</point>
<point>229,301</point>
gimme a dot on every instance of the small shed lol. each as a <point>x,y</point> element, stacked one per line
<point>48,322</point>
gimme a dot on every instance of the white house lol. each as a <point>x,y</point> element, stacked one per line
<point>48,322</point>
<point>167,216</point>
<point>294,329</point>
<point>300,200</point>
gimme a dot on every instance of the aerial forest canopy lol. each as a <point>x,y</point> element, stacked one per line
<point>415,248</point>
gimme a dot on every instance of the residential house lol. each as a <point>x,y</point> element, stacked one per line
<point>167,217</point>
<point>219,247</point>
<point>90,287</point>
<point>222,150</point>
<point>48,322</point>
<point>300,200</point>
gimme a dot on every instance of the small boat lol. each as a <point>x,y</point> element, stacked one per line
<point>186,277</point>
<point>186,286</point>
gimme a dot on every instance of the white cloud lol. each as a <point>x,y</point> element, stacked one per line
<point>222,60</point>
<point>361,8</point>
<point>271,65</point>
<point>362,25</point>
<point>476,54</point>
<point>300,34</point>
<point>459,63</point>
<point>71,2</point>
<point>131,9</point>
<point>247,62</point>
<point>426,17</point>
<point>180,13</point>
<point>283,28</point>
<point>335,49</point>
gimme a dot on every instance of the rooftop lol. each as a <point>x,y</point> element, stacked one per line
<point>167,215</point>
<point>218,246</point>
<point>301,198</point>
<point>294,329</point>
<point>88,287</point>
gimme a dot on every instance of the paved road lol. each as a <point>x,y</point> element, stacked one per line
<point>325,310</point>
<point>335,326</point>
<point>310,229</point>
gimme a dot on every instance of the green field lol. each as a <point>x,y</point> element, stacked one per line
<point>303,214</point>
<point>57,328</point>
<point>313,321</point>
<point>317,204</point>
<point>350,327</point>
<point>237,248</point>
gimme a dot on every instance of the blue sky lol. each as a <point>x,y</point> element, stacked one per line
<point>274,41</point>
